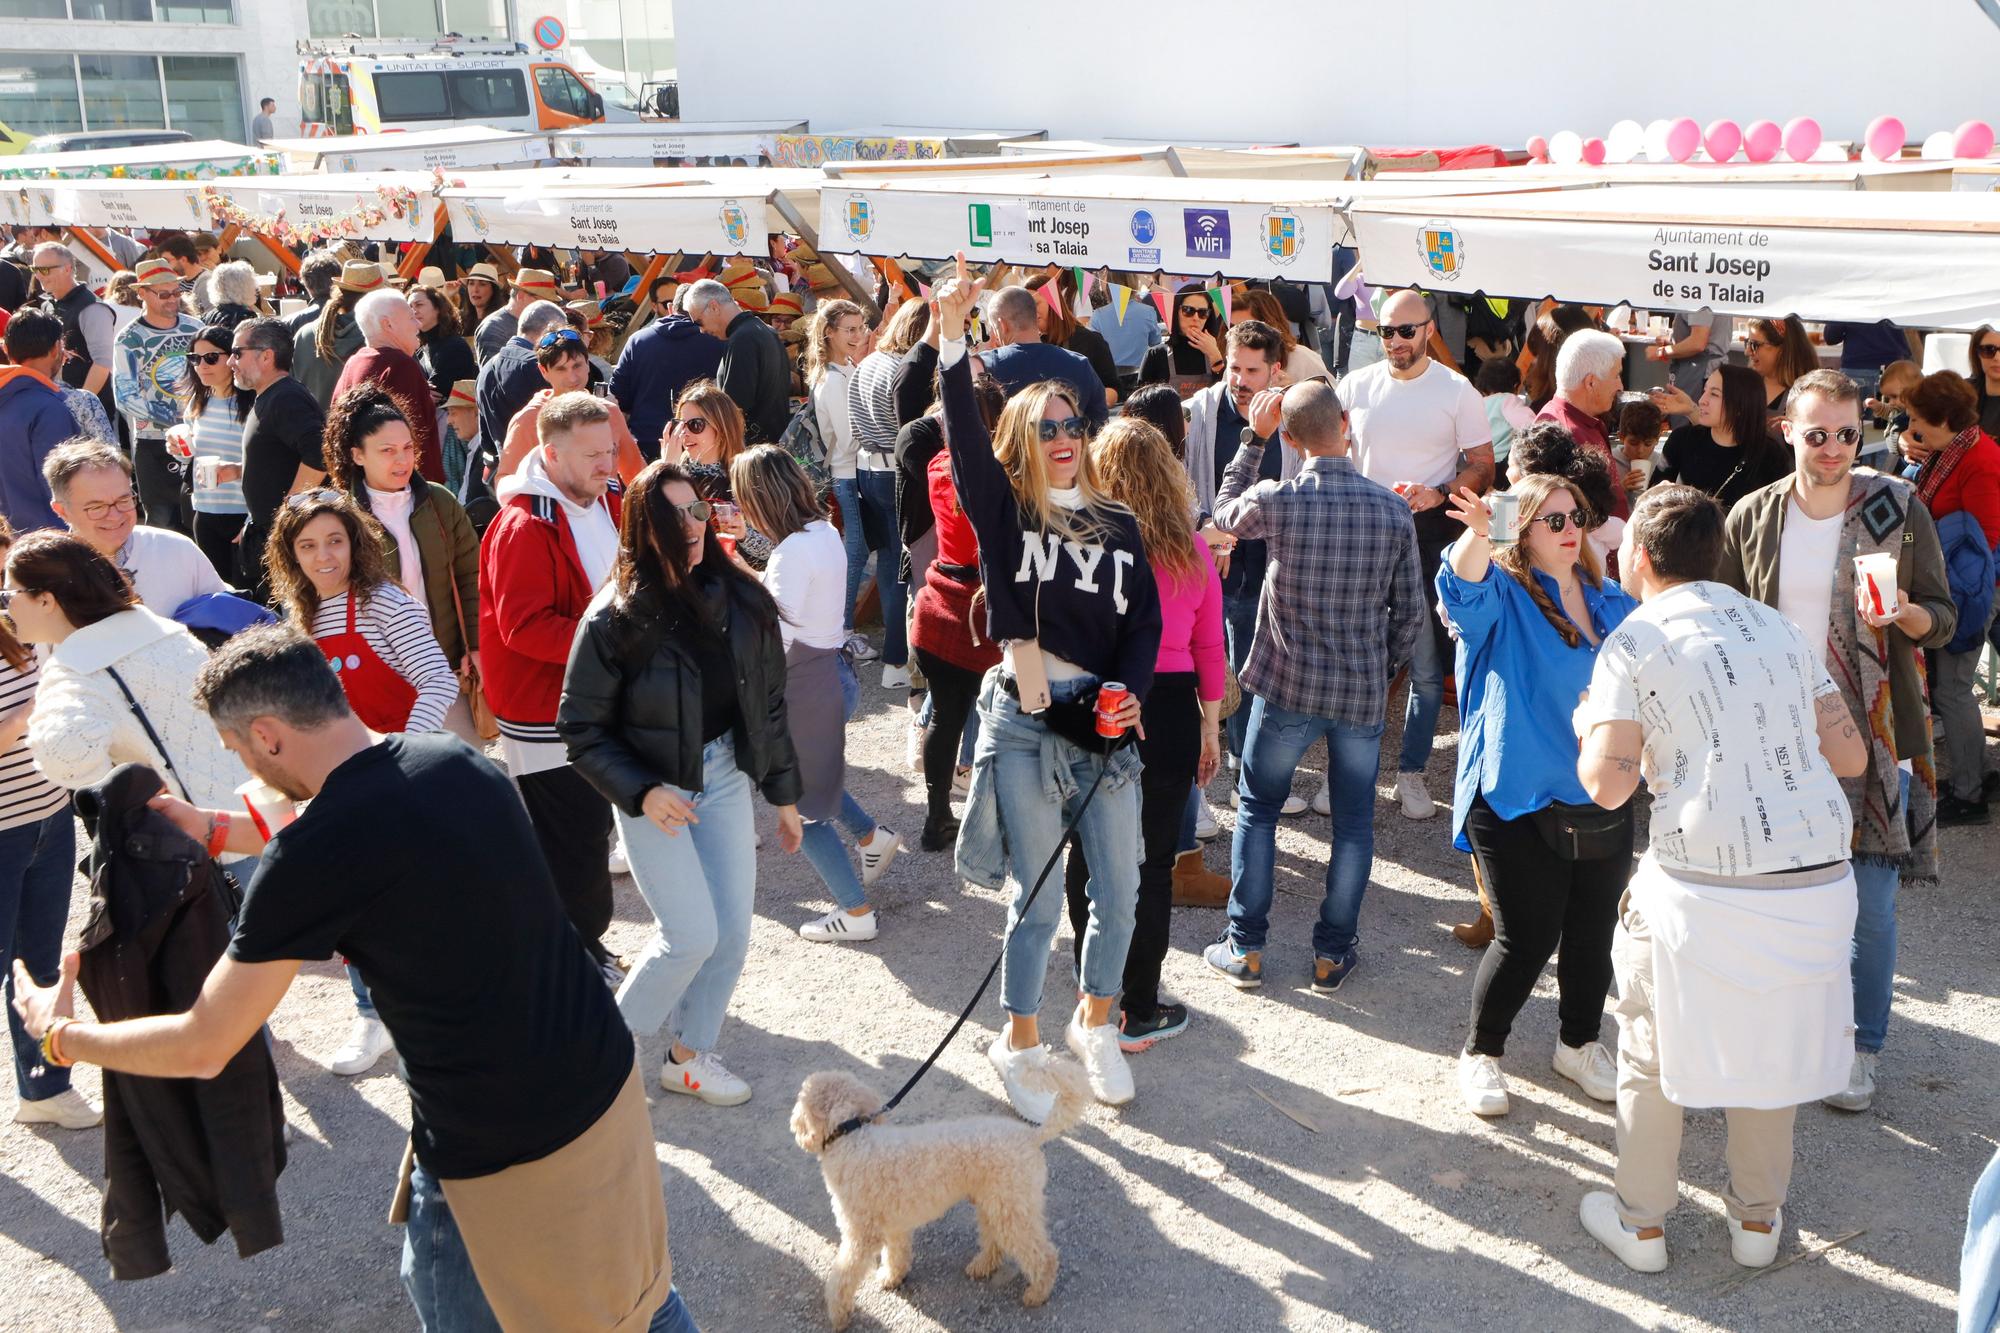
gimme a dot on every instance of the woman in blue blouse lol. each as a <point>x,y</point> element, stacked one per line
<point>1528,615</point>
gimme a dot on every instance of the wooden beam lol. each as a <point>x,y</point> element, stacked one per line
<point>96,248</point>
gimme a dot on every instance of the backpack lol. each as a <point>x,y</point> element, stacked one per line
<point>1969,570</point>
<point>801,439</point>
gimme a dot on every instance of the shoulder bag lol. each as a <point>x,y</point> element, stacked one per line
<point>484,724</point>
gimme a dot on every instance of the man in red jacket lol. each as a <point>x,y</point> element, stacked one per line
<point>389,327</point>
<point>553,545</point>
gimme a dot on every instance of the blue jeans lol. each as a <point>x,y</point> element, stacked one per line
<point>823,847</point>
<point>1239,625</point>
<point>437,1271</point>
<point>847,494</point>
<point>1278,740</point>
<point>878,497</point>
<point>1874,962</point>
<point>1039,780</point>
<point>700,883</point>
<point>37,866</point>
<point>1420,713</point>
<point>363,1005</point>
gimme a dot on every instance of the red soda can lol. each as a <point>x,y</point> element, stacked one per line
<point>1111,697</point>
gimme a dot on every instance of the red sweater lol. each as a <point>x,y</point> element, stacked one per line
<point>399,373</point>
<point>532,595</point>
<point>1974,485</point>
<point>943,623</point>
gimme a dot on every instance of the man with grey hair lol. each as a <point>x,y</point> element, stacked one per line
<point>754,371</point>
<point>1022,358</point>
<point>90,328</point>
<point>149,376</point>
<point>90,483</point>
<point>389,328</point>
<point>282,450</point>
<point>1590,372</point>
<point>1341,607</point>
<point>511,376</point>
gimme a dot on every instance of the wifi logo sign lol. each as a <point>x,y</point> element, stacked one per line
<point>1207,232</point>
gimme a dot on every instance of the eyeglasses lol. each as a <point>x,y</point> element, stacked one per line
<point>697,511</point>
<point>1847,436</point>
<point>236,353</point>
<point>46,268</point>
<point>556,337</point>
<point>101,510</point>
<point>209,358</point>
<point>692,425</point>
<point>1401,330</point>
<point>1070,426</point>
<point>1989,350</point>
<point>1755,345</point>
<point>1557,522</point>
<point>317,495</point>
<point>1195,311</point>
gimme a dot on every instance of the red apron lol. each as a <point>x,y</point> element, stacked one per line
<point>380,697</point>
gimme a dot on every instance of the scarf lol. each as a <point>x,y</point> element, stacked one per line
<point>1857,657</point>
<point>1937,469</point>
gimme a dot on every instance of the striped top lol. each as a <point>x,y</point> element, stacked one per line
<point>218,433</point>
<point>26,797</point>
<point>398,628</point>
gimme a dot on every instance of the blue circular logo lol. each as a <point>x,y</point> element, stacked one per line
<point>1142,227</point>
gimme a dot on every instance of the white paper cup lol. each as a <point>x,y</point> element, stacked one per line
<point>1645,466</point>
<point>1505,508</point>
<point>205,469</point>
<point>269,807</point>
<point>1875,575</point>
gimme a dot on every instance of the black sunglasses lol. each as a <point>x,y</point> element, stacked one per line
<point>209,358</point>
<point>1196,311</point>
<point>1402,330</point>
<point>692,425</point>
<point>1989,349</point>
<point>698,510</point>
<point>1848,436</point>
<point>1070,426</point>
<point>1557,522</point>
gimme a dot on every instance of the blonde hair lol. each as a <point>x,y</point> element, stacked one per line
<point>826,317</point>
<point>773,491</point>
<point>725,418</point>
<point>1017,445</point>
<point>1535,490</point>
<point>1139,466</point>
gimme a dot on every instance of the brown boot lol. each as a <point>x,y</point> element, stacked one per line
<point>1475,934</point>
<point>1194,886</point>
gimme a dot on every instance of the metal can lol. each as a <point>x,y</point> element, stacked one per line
<point>1111,697</point>
<point>1505,510</point>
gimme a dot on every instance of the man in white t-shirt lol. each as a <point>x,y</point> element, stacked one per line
<point>1744,901</point>
<point>1419,428</point>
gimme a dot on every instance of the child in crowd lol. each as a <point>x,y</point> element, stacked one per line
<point>1887,414</point>
<point>1639,426</point>
<point>1499,384</point>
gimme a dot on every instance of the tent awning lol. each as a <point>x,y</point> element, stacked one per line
<point>647,142</point>
<point>168,161</point>
<point>1924,260</point>
<point>700,216</point>
<point>459,148</point>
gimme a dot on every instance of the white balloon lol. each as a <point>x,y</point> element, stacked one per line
<point>1624,142</point>
<point>1938,147</point>
<point>1654,140</point>
<point>1566,148</point>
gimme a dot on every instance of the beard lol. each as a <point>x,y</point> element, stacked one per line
<point>1403,355</point>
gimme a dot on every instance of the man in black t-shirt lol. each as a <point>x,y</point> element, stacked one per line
<point>527,1114</point>
<point>281,436</point>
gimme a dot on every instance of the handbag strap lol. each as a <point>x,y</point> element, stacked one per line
<point>151,735</point>
<point>457,604</point>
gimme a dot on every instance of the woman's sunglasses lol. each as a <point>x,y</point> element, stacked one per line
<point>692,425</point>
<point>1195,311</point>
<point>208,358</point>
<point>1073,427</point>
<point>1989,350</point>
<point>697,511</point>
<point>1557,522</point>
<point>318,495</point>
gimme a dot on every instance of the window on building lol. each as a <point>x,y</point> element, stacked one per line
<point>120,92</point>
<point>562,91</point>
<point>418,95</point>
<point>478,93</point>
<point>118,11</point>
<point>38,94</point>
<point>204,96</point>
<point>194,11</point>
<point>402,18</point>
<point>32,9</point>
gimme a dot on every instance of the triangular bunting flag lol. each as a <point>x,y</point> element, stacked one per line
<point>924,289</point>
<point>1121,297</point>
<point>1083,281</point>
<point>1219,298</point>
<point>1052,296</point>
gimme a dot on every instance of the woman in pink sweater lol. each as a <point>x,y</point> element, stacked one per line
<point>1180,727</point>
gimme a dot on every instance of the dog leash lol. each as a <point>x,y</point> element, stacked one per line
<point>848,1126</point>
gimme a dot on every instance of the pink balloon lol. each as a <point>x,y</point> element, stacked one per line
<point>1538,149</point>
<point>1722,139</point>
<point>1802,138</point>
<point>1762,140</point>
<point>1972,139</point>
<point>1593,152</point>
<point>1885,138</point>
<point>1683,137</point>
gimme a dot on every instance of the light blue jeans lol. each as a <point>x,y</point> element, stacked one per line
<point>364,1005</point>
<point>1420,712</point>
<point>823,847</point>
<point>878,493</point>
<point>1874,962</point>
<point>847,494</point>
<point>1039,782</point>
<point>1278,740</point>
<point>700,883</point>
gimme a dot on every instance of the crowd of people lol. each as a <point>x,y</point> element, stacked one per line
<point>597,569</point>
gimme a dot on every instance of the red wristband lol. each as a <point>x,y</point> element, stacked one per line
<point>218,832</point>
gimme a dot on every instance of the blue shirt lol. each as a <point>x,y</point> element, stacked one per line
<point>1518,684</point>
<point>1018,365</point>
<point>1129,337</point>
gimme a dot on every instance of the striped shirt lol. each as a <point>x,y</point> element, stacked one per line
<point>398,628</point>
<point>218,433</point>
<point>26,797</point>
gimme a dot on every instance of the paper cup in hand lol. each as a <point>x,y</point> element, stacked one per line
<point>1645,467</point>
<point>1875,575</point>
<point>1505,509</point>
<point>205,469</point>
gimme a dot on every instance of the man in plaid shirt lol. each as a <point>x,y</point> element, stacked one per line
<point>1341,607</point>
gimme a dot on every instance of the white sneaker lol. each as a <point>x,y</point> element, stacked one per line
<point>1482,1084</point>
<point>878,851</point>
<point>1235,764</point>
<point>617,863</point>
<point>837,927</point>
<point>66,1110</point>
<point>1205,826</point>
<point>1416,798</point>
<point>895,677</point>
<point>1755,1244</point>
<point>1032,1104</point>
<point>1322,804</point>
<point>1590,1067</point>
<point>1643,1251</point>
<point>1294,805</point>
<point>1103,1061</point>
<point>859,649</point>
<point>367,1041</point>
<point>705,1077</point>
<point>913,747</point>
<point>961,782</point>
<point>1859,1094</point>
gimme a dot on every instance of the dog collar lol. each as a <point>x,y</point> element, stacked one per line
<point>843,1129</point>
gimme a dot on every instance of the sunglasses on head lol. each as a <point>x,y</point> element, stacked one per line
<point>209,358</point>
<point>1402,330</point>
<point>1989,349</point>
<point>699,511</point>
<point>556,336</point>
<point>1846,436</point>
<point>318,495</point>
<point>692,425</point>
<point>1557,522</point>
<point>1070,426</point>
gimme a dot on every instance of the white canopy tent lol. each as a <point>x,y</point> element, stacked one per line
<point>1924,260</point>
<point>882,143</point>
<point>1754,175</point>
<point>626,144</point>
<point>1211,160</point>
<point>455,149</point>
<point>699,210</point>
<point>1127,162</point>
<point>385,206</point>
<point>197,160</point>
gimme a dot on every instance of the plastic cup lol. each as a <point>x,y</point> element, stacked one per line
<point>727,543</point>
<point>270,808</point>
<point>1645,467</point>
<point>1505,508</point>
<point>1876,576</point>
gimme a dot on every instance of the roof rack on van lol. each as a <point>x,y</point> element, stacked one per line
<point>450,44</point>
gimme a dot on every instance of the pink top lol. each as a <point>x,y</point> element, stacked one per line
<point>1191,625</point>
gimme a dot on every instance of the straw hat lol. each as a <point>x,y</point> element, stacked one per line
<point>592,312</point>
<point>537,280</point>
<point>486,272</point>
<point>360,276</point>
<point>155,273</point>
<point>465,393</point>
<point>786,305</point>
<point>430,275</point>
<point>746,284</point>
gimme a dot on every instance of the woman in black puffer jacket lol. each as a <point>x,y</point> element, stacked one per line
<point>673,707</point>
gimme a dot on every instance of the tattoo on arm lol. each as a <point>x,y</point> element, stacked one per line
<point>1624,763</point>
<point>1833,709</point>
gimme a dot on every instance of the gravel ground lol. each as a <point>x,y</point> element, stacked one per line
<point>1293,1161</point>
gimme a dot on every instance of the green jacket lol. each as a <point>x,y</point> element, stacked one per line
<point>449,549</point>
<point>1749,564</point>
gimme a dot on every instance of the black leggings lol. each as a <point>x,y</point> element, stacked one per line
<point>158,479</point>
<point>1539,901</point>
<point>954,691</point>
<point>215,534</point>
<point>1170,749</point>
